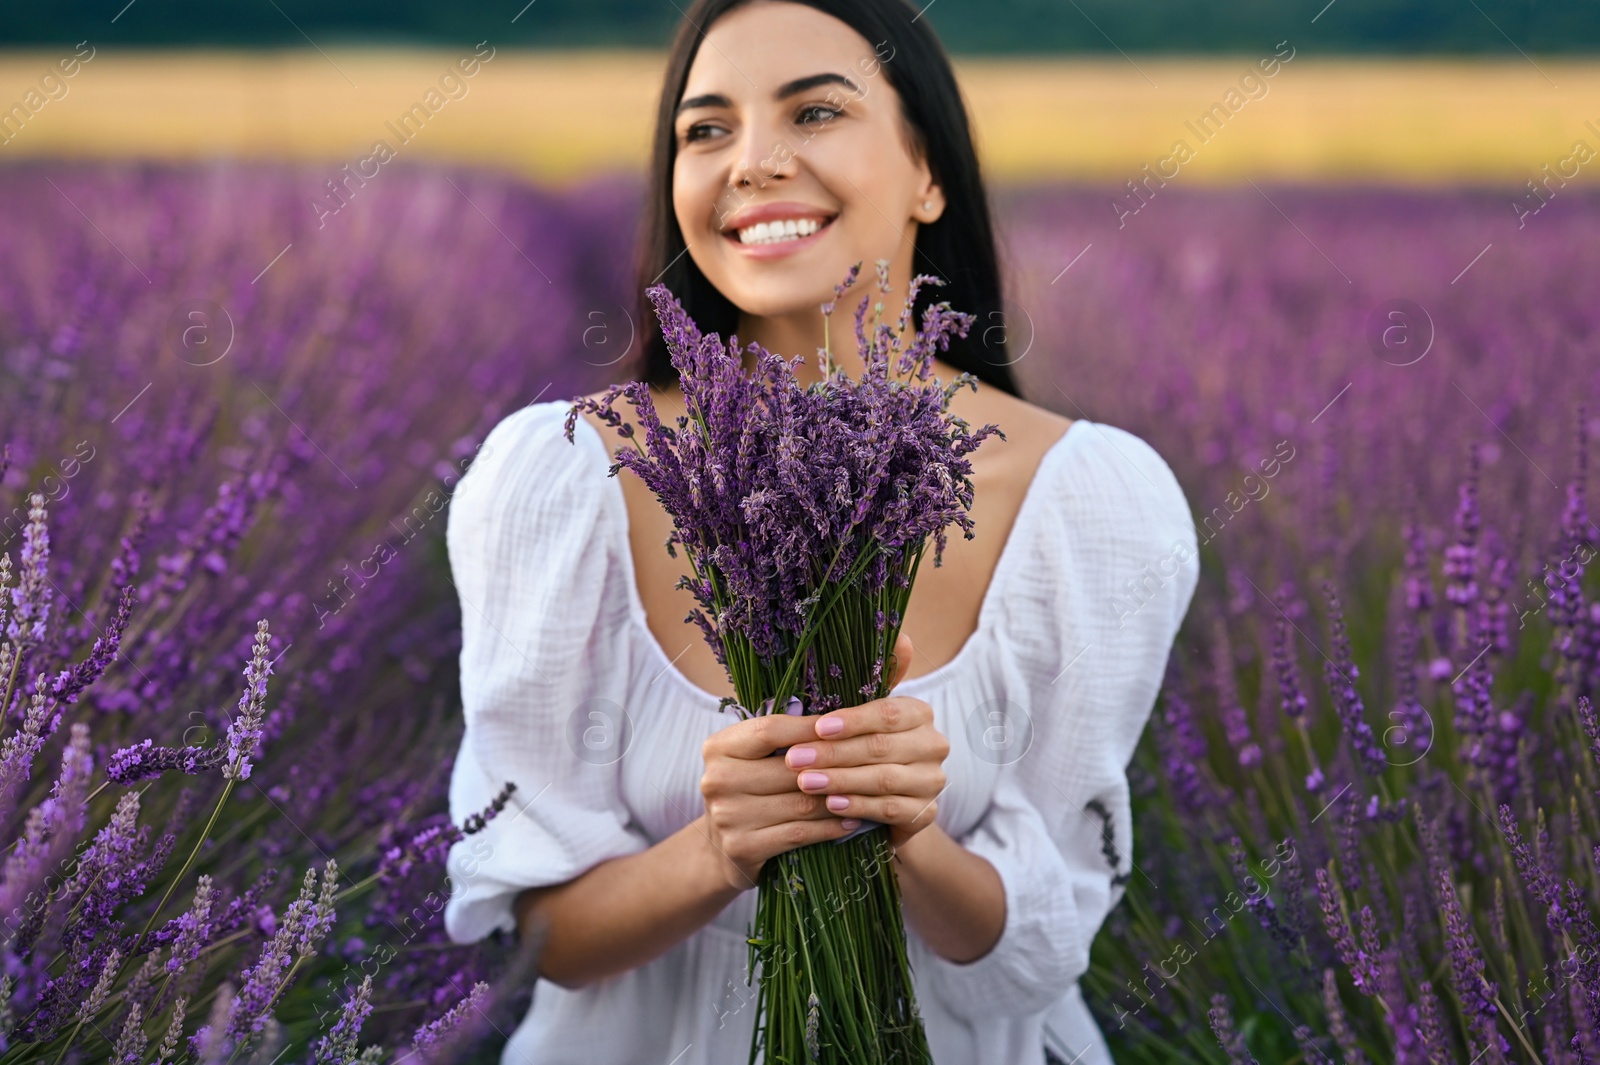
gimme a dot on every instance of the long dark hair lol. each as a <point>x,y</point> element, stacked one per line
<point>959,247</point>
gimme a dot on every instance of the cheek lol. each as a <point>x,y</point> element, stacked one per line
<point>681,201</point>
<point>870,183</point>
<point>695,190</point>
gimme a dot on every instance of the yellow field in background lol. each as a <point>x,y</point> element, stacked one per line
<point>557,117</point>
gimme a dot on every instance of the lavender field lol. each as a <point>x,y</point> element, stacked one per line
<point>1368,818</point>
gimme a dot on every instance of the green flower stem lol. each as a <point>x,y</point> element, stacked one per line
<point>814,934</point>
<point>189,861</point>
<point>68,1044</point>
<point>11,679</point>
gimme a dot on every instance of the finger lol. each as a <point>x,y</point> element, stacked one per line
<point>918,745</point>
<point>759,736</point>
<point>770,810</point>
<point>894,713</point>
<point>903,811</point>
<point>888,779</point>
<point>792,834</point>
<point>737,776</point>
<point>901,656</point>
<point>755,814</point>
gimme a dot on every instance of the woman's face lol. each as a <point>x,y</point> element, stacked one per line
<point>787,123</point>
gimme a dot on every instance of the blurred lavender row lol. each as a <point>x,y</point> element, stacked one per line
<point>229,415</point>
<point>1368,812</point>
<point>219,415</point>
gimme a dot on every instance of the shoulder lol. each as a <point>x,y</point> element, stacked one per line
<point>1121,475</point>
<point>1118,514</point>
<point>526,465</point>
<point>534,427</point>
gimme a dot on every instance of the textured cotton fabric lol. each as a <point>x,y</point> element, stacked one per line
<point>568,694</point>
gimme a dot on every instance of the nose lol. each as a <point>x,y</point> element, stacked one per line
<point>764,153</point>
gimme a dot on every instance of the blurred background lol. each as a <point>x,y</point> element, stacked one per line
<point>240,383</point>
<point>1382,90</point>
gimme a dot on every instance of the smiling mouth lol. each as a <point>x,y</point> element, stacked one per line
<point>779,232</point>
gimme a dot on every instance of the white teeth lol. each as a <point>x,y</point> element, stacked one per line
<point>781,230</point>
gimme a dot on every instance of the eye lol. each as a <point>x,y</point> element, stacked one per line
<point>692,134</point>
<point>828,113</point>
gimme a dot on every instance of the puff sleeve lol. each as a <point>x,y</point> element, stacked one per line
<point>1087,625</point>
<point>532,535</point>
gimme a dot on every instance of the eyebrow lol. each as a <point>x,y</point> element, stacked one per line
<point>783,92</point>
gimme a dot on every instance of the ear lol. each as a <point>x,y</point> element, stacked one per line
<point>929,206</point>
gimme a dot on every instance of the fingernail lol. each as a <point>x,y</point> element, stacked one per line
<point>800,757</point>
<point>813,780</point>
<point>838,802</point>
<point>830,726</point>
<point>850,824</point>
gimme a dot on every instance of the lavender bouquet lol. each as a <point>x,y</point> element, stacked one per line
<point>803,513</point>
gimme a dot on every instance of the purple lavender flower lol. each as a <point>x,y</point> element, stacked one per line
<point>51,828</point>
<point>1340,673</point>
<point>342,1043</point>
<point>244,732</point>
<point>1413,728</point>
<point>1401,1014</point>
<point>1430,1027</point>
<point>1184,752</point>
<point>131,1041</point>
<point>144,761</point>
<point>1461,557</point>
<point>19,749</point>
<point>1475,714</point>
<point>302,927</point>
<point>317,922</point>
<point>1228,1037</point>
<point>1495,609</point>
<point>169,1044</point>
<point>436,1035</point>
<point>431,845</point>
<point>69,683</point>
<point>1358,961</point>
<point>1467,969</point>
<point>191,928</point>
<point>1292,699</point>
<point>211,1044</point>
<point>141,988</point>
<point>1235,720</point>
<point>102,987</point>
<point>108,872</point>
<point>30,599</point>
<point>1418,585</point>
<point>1338,1022</point>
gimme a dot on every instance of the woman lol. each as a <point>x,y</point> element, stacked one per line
<point>795,138</point>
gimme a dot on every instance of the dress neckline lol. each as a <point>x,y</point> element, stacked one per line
<point>636,611</point>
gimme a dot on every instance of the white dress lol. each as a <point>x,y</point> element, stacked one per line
<point>568,694</point>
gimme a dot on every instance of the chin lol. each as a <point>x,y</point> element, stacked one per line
<point>777,299</point>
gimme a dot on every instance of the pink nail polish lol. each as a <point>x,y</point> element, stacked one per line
<point>800,757</point>
<point>830,726</point>
<point>837,803</point>
<point>850,824</point>
<point>813,780</point>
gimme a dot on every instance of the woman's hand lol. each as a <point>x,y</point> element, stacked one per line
<point>883,760</point>
<point>755,809</point>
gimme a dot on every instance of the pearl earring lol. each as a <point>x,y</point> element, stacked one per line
<point>927,205</point>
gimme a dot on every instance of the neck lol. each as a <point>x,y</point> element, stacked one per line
<point>803,335</point>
